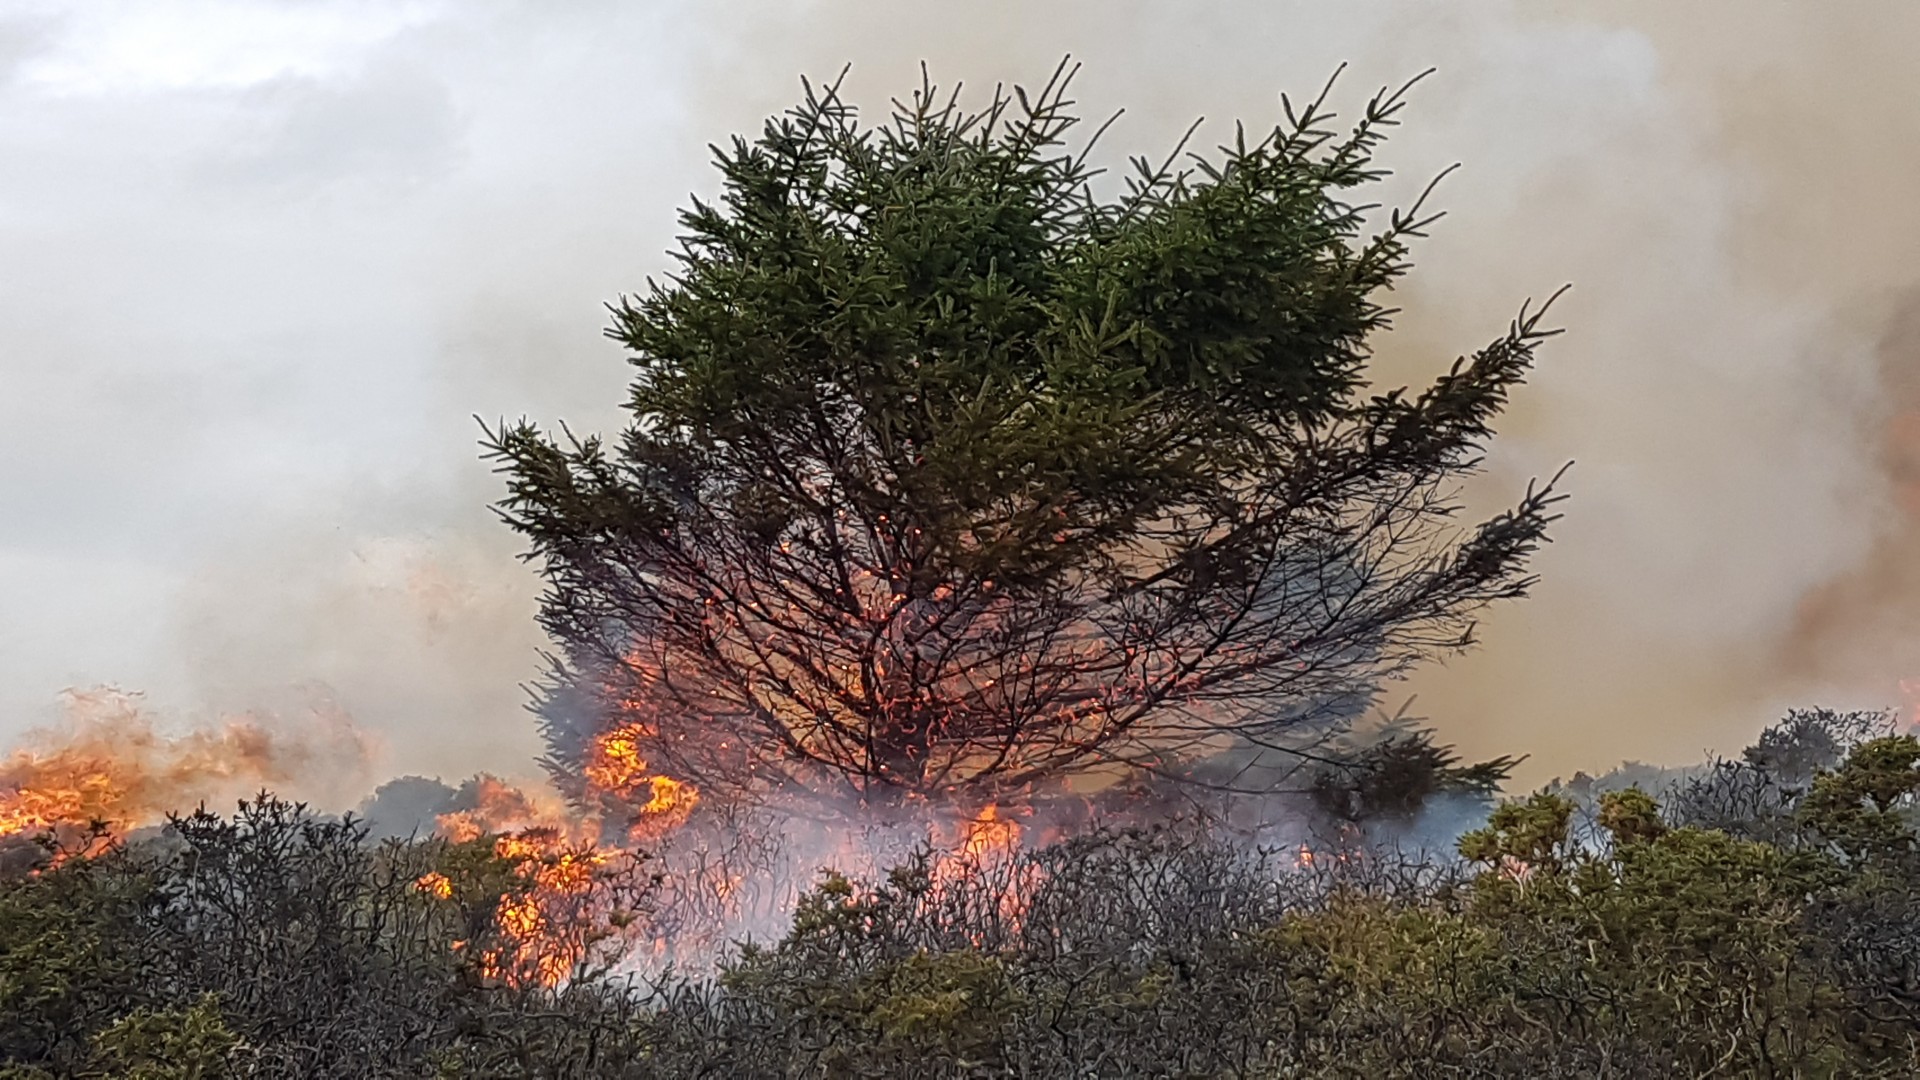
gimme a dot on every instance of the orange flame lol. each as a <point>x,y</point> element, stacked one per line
<point>113,766</point>
<point>436,885</point>
<point>989,844</point>
<point>551,917</point>
<point>989,834</point>
<point>616,766</point>
<point>551,924</point>
<point>500,807</point>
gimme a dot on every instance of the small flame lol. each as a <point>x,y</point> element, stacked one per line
<point>990,844</point>
<point>615,763</point>
<point>616,766</point>
<point>436,885</point>
<point>669,796</point>
<point>520,917</point>
<point>989,834</point>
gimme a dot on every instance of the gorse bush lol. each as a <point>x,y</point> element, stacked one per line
<point>1603,937</point>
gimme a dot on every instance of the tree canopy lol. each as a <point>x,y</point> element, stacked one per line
<point>954,468</point>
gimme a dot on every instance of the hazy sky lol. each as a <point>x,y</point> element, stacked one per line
<point>263,261</point>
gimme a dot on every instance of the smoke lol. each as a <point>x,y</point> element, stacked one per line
<point>270,258</point>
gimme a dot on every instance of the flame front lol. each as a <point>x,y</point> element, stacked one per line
<point>500,807</point>
<point>555,900</point>
<point>113,767</point>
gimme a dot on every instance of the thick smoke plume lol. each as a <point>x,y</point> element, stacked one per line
<point>274,256</point>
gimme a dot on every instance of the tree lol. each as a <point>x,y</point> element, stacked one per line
<point>948,474</point>
<point>1397,773</point>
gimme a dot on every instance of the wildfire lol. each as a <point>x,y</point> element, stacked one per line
<point>554,920</point>
<point>990,835</point>
<point>670,796</point>
<point>1336,857</point>
<point>564,902</point>
<point>615,763</point>
<point>550,921</point>
<point>988,849</point>
<point>111,765</point>
<point>615,766</point>
<point>498,807</point>
<point>436,885</point>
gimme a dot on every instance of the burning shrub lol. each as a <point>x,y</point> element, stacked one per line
<point>277,944</point>
<point>113,765</point>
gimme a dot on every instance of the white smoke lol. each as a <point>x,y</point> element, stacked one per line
<point>269,257</point>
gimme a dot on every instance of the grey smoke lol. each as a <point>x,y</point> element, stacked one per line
<point>264,260</point>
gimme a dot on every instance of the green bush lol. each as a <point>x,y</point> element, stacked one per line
<point>276,944</point>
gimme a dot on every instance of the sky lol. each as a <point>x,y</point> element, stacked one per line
<point>262,264</point>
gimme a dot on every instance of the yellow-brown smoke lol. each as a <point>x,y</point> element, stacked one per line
<point>1726,185</point>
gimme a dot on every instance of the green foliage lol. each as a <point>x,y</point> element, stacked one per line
<point>1866,806</point>
<point>64,967</point>
<point>1651,947</point>
<point>882,1006</point>
<point>168,1044</point>
<point>1678,953</point>
<point>917,1012</point>
<point>1532,834</point>
<point>1398,773</point>
<point>276,943</point>
<point>1018,358</point>
<point>1631,817</point>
